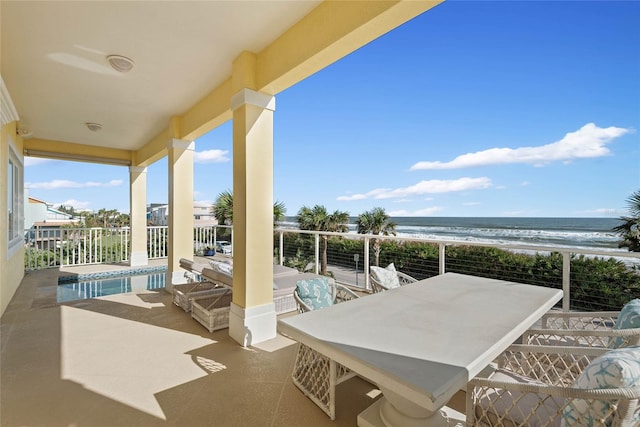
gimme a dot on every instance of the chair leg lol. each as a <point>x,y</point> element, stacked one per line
<point>312,375</point>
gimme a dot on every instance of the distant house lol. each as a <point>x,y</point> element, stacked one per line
<point>43,223</point>
<point>202,217</point>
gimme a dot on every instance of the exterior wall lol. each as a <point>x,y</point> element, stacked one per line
<point>33,211</point>
<point>202,216</point>
<point>11,267</point>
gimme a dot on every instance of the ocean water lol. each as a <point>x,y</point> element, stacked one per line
<point>582,233</point>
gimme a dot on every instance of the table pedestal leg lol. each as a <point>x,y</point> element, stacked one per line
<point>395,411</point>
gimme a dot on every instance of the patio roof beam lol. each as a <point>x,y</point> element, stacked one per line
<point>331,31</point>
<point>34,147</point>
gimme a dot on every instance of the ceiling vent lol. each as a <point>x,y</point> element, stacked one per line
<point>120,63</point>
<point>94,127</point>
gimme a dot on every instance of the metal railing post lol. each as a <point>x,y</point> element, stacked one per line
<point>62,240</point>
<point>441,258</point>
<point>317,239</point>
<point>281,247</point>
<point>367,281</point>
<point>566,281</point>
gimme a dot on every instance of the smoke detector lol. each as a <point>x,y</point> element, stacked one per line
<point>120,63</point>
<point>24,132</point>
<point>93,127</point>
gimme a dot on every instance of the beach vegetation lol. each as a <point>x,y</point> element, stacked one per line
<point>597,283</point>
<point>629,230</point>
<point>319,219</point>
<point>376,221</point>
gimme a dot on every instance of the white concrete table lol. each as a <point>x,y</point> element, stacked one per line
<point>422,342</point>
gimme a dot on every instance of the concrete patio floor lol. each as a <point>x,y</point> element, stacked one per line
<point>136,359</point>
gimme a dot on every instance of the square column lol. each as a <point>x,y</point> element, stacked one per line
<point>253,317</point>
<point>138,208</point>
<point>180,218</point>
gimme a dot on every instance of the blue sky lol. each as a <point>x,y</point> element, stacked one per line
<point>472,109</point>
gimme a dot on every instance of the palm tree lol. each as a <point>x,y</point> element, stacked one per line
<point>376,221</point>
<point>629,230</point>
<point>318,219</point>
<point>279,210</point>
<point>222,209</point>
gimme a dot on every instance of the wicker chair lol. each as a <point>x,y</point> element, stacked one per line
<point>591,329</point>
<point>197,284</point>
<point>536,386</point>
<point>339,294</point>
<point>377,286</point>
<point>315,374</point>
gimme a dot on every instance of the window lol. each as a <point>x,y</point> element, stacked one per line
<point>15,219</point>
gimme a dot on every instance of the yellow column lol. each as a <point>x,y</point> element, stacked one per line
<point>138,208</point>
<point>180,218</point>
<point>253,318</point>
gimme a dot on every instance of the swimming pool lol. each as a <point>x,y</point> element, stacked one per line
<point>85,286</point>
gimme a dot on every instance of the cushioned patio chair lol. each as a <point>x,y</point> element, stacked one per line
<point>383,279</point>
<point>612,329</point>
<point>544,386</point>
<point>315,374</point>
<point>319,292</point>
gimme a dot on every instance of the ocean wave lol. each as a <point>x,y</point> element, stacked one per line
<point>579,233</point>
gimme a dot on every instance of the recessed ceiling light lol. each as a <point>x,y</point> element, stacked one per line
<point>94,127</point>
<point>120,63</point>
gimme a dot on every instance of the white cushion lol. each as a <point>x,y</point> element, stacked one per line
<point>619,368</point>
<point>387,277</point>
<point>222,267</point>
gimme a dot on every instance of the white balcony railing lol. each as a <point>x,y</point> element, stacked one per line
<point>589,278</point>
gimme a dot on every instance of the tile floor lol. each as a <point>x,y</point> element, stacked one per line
<point>138,360</point>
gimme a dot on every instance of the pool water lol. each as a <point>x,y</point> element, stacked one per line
<point>74,288</point>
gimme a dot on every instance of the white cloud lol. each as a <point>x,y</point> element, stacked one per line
<point>211,156</point>
<point>525,183</point>
<point>77,204</point>
<point>471,204</point>
<point>353,197</point>
<point>423,187</point>
<point>57,184</point>
<point>515,213</point>
<point>33,161</point>
<point>419,212</point>
<point>605,212</point>
<point>202,203</point>
<point>587,142</point>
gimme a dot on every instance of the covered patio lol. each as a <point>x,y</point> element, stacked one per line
<point>137,359</point>
<point>103,82</point>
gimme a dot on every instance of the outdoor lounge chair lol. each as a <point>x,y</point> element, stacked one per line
<point>544,386</point>
<point>612,329</point>
<point>197,284</point>
<point>383,279</point>
<point>211,309</point>
<point>193,268</point>
<point>315,374</point>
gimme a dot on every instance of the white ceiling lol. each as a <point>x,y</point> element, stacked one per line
<point>53,60</point>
